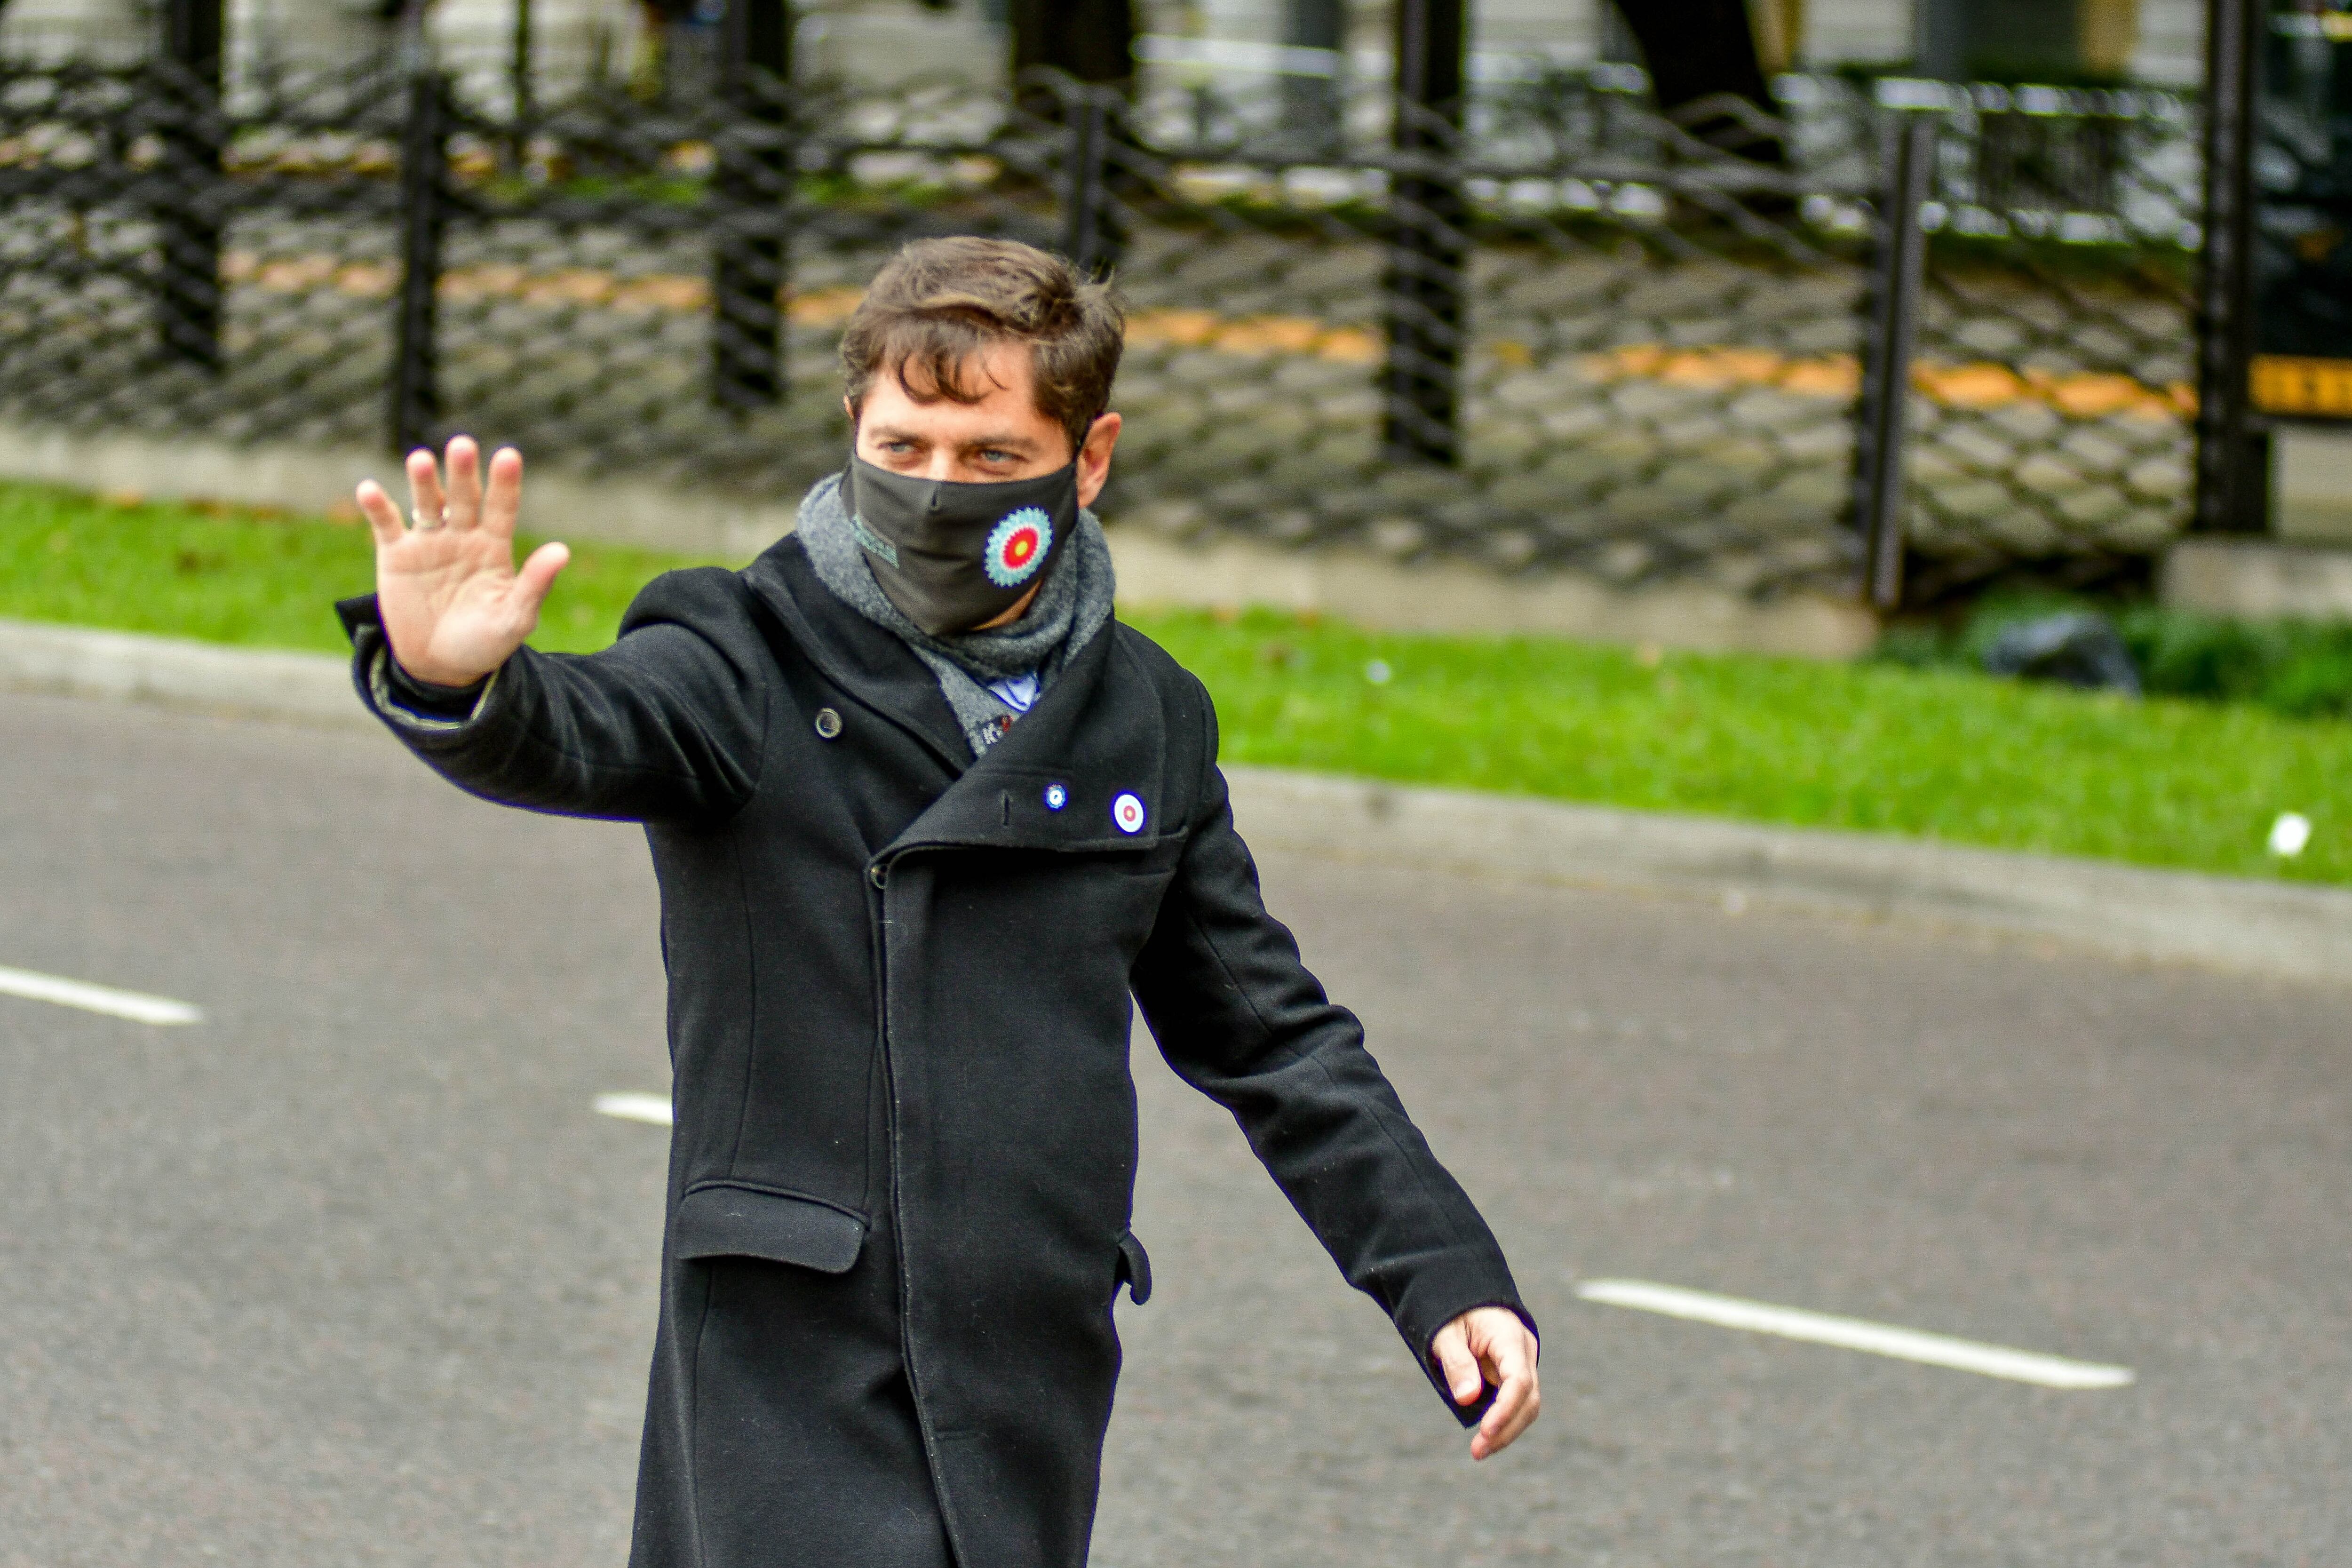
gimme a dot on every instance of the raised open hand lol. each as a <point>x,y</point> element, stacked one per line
<point>452,602</point>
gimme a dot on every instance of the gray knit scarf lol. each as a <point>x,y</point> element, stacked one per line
<point>1069,609</point>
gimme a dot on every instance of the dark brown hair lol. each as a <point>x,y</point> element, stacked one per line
<point>940,302</point>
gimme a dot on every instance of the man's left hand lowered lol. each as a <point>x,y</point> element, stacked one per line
<point>1490,1346</point>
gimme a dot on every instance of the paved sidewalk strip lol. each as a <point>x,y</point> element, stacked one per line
<point>78,662</point>
<point>2125,912</point>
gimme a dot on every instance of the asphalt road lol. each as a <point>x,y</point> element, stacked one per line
<point>349,1273</point>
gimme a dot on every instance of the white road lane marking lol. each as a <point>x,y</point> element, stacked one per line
<point>1855,1334</point>
<point>653,1108</point>
<point>136,1005</point>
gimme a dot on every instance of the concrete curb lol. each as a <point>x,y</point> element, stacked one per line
<point>2280,929</point>
<point>1450,597</point>
<point>2166,916</point>
<point>2260,578</point>
<point>306,687</point>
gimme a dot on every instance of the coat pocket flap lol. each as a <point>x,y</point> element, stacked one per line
<point>723,1221</point>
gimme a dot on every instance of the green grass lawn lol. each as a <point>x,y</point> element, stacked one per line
<point>1940,753</point>
<point>241,577</point>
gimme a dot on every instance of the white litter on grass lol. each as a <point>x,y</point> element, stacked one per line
<point>1856,1334</point>
<point>2289,833</point>
<point>654,1110</point>
<point>135,1005</point>
<point>1378,673</point>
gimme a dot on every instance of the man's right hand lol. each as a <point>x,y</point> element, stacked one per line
<point>452,605</point>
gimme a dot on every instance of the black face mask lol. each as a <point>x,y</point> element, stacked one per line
<point>949,555</point>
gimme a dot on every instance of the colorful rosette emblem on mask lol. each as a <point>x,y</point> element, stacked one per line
<point>1017,547</point>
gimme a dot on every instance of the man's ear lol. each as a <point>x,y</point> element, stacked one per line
<point>1094,457</point>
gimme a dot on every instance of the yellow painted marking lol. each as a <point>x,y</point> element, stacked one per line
<point>2284,384</point>
<point>2302,386</point>
<point>671,291</point>
<point>1253,335</point>
<point>2082,394</point>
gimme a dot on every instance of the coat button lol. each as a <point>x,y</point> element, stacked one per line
<point>877,874</point>
<point>829,723</point>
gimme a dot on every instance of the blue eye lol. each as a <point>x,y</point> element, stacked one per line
<point>1056,798</point>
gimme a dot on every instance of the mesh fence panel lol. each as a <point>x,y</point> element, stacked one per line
<point>1653,360</point>
<point>663,293</point>
<point>168,268</point>
<point>1560,332</point>
<point>2054,401</point>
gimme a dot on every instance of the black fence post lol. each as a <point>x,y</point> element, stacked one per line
<point>415,409</point>
<point>1882,419</point>
<point>1090,41</point>
<point>1091,233</point>
<point>189,217</point>
<point>2232,448</point>
<point>521,73</point>
<point>521,68</point>
<point>753,188</point>
<point>1314,114</point>
<point>1426,282</point>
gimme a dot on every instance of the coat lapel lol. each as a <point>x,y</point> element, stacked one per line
<point>1080,771</point>
<point>862,658</point>
<point>1056,779</point>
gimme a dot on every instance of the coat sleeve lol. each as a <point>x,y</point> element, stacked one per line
<point>1239,1018</point>
<point>668,723</point>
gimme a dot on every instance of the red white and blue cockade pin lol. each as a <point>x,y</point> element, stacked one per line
<point>1017,547</point>
<point>1126,811</point>
<point>1056,798</point>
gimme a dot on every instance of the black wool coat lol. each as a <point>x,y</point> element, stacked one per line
<point>905,1146</point>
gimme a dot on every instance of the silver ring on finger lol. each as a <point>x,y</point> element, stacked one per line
<point>422,524</point>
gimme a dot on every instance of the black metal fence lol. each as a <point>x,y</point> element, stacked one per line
<point>2053,398</point>
<point>1556,332</point>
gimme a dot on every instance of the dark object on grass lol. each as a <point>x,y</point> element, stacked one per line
<point>2073,649</point>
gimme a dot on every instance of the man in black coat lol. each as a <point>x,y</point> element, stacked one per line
<point>925,817</point>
